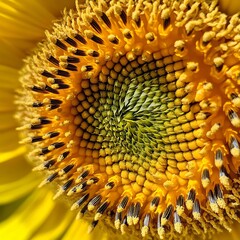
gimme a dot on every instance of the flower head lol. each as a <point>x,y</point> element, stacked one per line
<point>132,110</point>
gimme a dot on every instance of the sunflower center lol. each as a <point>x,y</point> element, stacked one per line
<point>133,111</point>
<point>132,107</point>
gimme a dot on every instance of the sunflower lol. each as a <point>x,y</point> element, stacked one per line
<point>128,111</point>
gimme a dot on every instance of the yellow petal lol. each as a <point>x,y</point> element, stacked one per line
<point>23,223</point>
<point>8,140</point>
<point>14,169</point>
<point>16,177</point>
<point>233,235</point>
<point>57,222</point>
<point>10,54</point>
<point>79,230</point>
<point>230,6</point>
<point>6,120</point>
<point>18,21</point>
<point>8,78</point>
<point>12,191</point>
<point>5,156</point>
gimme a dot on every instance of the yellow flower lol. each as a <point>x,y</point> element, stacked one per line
<point>111,145</point>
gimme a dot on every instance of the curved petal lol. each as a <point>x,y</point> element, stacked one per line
<point>8,77</point>
<point>57,223</point>
<point>23,223</point>
<point>18,21</point>
<point>5,156</point>
<point>230,6</point>
<point>16,177</point>
<point>17,189</point>
<point>233,235</point>
<point>8,140</point>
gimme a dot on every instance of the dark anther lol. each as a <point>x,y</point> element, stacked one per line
<point>49,89</point>
<point>84,210</point>
<point>176,218</point>
<point>71,41</point>
<point>36,126</point>
<point>37,139</point>
<point>106,20</point>
<point>138,22</point>
<point>168,212</point>
<point>110,185</point>
<point>96,26</point>
<point>191,195</point>
<point>115,40</point>
<point>44,120</point>
<point>205,174</point>
<point>52,177</point>
<point>103,207</point>
<point>146,220</point>
<point>130,210</point>
<point>47,74</point>
<point>205,43</point>
<point>80,52</point>
<point>58,144</point>
<point>137,209</point>
<point>72,59</point>
<point>118,216</point>
<point>80,38</point>
<point>189,32</point>
<point>196,206</point>
<point>223,172</point>
<point>180,201</point>
<point>159,220</point>
<point>67,184</point>
<point>68,168</point>
<point>211,197</point>
<point>55,101</point>
<point>94,179</point>
<point>166,23</point>
<point>38,89</point>
<point>54,106</point>
<point>63,86</point>
<point>89,68</point>
<point>61,45</point>
<point>37,104</point>
<point>94,224</point>
<point>123,17</point>
<point>123,203</point>
<point>71,67</point>
<point>95,200</point>
<point>94,54</point>
<point>49,164</point>
<point>218,192</point>
<point>53,60</point>
<point>83,186</point>
<point>97,39</point>
<point>219,68</point>
<point>57,80</point>
<point>155,201</point>
<point>44,151</point>
<point>65,154</point>
<point>124,222</point>
<point>63,73</point>
<point>233,95</point>
<point>82,199</point>
<point>84,174</point>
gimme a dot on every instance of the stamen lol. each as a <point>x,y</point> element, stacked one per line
<point>122,204</point>
<point>190,199</point>
<point>79,202</point>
